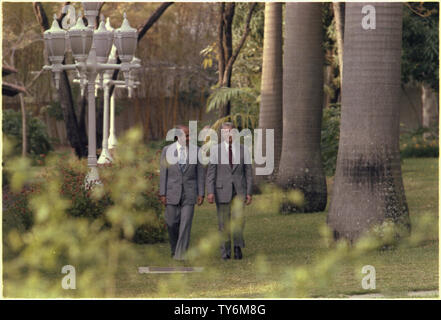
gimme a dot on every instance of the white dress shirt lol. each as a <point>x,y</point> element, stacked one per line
<point>227,147</point>
<point>180,149</point>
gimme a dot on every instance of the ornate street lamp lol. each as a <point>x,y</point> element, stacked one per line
<point>105,156</point>
<point>90,50</point>
<point>126,39</point>
<point>103,40</point>
<point>109,141</point>
<point>55,41</point>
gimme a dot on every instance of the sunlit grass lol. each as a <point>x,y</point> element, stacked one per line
<point>276,243</point>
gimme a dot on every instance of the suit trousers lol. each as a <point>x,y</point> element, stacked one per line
<point>179,219</point>
<point>231,222</point>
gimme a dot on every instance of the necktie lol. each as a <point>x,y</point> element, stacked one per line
<point>230,155</point>
<point>182,159</point>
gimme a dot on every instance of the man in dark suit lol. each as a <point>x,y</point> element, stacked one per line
<point>229,177</point>
<point>181,185</point>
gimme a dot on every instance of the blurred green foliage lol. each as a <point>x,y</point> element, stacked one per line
<point>61,234</point>
<point>299,282</point>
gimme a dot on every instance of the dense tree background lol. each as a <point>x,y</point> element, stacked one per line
<point>180,58</point>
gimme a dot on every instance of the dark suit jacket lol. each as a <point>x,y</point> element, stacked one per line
<point>221,177</point>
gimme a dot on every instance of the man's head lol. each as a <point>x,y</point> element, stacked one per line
<point>183,134</point>
<point>226,129</point>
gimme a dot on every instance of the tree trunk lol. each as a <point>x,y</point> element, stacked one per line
<point>368,187</point>
<point>271,96</point>
<point>226,42</point>
<point>82,120</point>
<point>24,145</point>
<point>74,135</point>
<point>301,164</point>
<point>227,56</point>
<point>73,130</point>
<point>141,33</point>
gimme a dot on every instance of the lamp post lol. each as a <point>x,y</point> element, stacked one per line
<point>90,49</point>
<point>112,142</point>
<point>105,156</point>
<point>107,143</point>
<point>112,136</point>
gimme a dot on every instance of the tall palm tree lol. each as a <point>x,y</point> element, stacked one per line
<point>301,164</point>
<point>368,187</point>
<point>270,115</point>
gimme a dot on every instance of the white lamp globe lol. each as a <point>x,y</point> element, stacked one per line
<point>80,40</point>
<point>103,40</point>
<point>126,39</point>
<point>55,41</point>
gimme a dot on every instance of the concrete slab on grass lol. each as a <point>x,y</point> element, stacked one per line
<point>428,293</point>
<point>366,296</point>
<point>169,269</point>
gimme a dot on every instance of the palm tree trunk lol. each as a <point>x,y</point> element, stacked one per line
<point>368,188</point>
<point>271,99</point>
<point>301,164</point>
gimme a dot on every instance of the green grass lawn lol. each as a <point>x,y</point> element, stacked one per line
<point>276,244</point>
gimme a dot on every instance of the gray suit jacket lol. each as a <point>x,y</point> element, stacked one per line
<point>221,177</point>
<point>173,182</point>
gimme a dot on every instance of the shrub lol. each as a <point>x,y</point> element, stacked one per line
<point>422,142</point>
<point>73,174</point>
<point>419,143</point>
<point>81,201</point>
<point>16,212</point>
<point>330,138</point>
<point>151,233</point>
<point>38,139</point>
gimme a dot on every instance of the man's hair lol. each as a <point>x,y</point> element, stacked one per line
<point>228,124</point>
<point>177,129</point>
<point>180,126</point>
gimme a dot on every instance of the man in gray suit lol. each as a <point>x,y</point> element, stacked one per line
<point>181,185</point>
<point>229,177</point>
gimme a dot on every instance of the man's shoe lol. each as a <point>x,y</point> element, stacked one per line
<point>237,253</point>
